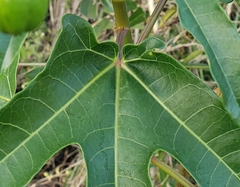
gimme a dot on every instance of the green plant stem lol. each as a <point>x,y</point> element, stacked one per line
<point>32,64</point>
<point>4,98</point>
<point>197,66</point>
<point>152,20</point>
<point>171,172</point>
<point>122,21</point>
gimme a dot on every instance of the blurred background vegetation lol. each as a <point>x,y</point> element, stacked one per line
<point>67,168</point>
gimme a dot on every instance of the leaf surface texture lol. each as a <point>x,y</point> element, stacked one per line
<point>119,112</point>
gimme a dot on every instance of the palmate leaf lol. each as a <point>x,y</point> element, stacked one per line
<point>119,112</point>
<point>209,24</point>
<point>9,57</point>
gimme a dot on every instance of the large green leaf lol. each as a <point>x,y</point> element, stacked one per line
<point>119,112</point>
<point>209,24</point>
<point>9,57</point>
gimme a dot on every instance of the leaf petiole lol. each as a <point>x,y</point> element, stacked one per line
<point>4,98</point>
<point>148,28</point>
<point>121,17</point>
<point>171,172</point>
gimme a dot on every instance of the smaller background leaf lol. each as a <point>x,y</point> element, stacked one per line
<point>221,43</point>
<point>137,17</point>
<point>89,8</point>
<point>102,25</point>
<point>9,57</point>
<point>33,73</point>
<point>108,5</point>
<point>131,5</point>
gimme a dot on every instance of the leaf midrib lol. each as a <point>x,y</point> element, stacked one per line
<point>118,74</point>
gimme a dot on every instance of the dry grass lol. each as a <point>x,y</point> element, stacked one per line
<point>64,169</point>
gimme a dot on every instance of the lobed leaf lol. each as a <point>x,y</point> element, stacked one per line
<point>119,112</point>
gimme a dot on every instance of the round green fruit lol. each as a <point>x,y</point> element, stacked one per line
<point>17,16</point>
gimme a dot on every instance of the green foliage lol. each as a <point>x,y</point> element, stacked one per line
<point>121,111</point>
<point>9,57</point>
<point>93,10</point>
<point>221,46</point>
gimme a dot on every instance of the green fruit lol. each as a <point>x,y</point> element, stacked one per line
<point>17,16</point>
